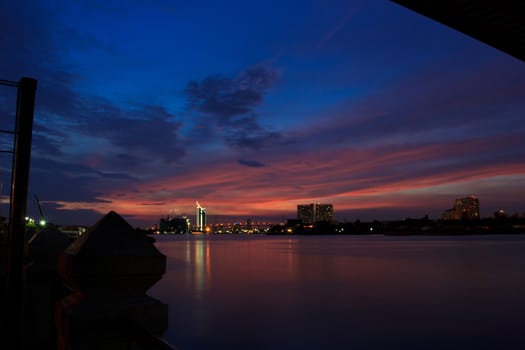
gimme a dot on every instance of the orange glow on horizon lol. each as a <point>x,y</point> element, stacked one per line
<point>373,179</point>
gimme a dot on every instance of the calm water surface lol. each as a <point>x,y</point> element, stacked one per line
<point>344,292</point>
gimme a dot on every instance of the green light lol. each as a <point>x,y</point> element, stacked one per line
<point>42,222</point>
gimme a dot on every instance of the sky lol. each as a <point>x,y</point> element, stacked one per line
<point>253,107</point>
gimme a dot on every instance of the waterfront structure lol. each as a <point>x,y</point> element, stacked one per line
<point>466,208</point>
<point>311,213</point>
<point>305,213</point>
<point>200,217</point>
<point>324,212</point>
<point>175,225</point>
<point>450,214</point>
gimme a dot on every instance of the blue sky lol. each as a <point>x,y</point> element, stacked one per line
<point>254,107</point>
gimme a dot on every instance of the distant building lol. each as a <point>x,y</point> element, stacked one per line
<point>324,212</point>
<point>305,213</point>
<point>500,214</point>
<point>200,217</point>
<point>466,208</point>
<point>451,214</point>
<point>175,225</point>
<point>311,213</point>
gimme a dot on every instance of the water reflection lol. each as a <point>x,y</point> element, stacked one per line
<point>198,268</point>
<point>343,292</point>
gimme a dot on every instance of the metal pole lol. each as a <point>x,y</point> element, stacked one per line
<point>19,188</point>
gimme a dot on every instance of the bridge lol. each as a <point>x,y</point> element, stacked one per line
<point>500,23</point>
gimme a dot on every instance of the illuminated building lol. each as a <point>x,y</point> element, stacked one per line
<point>324,212</point>
<point>466,208</point>
<point>305,213</point>
<point>200,217</point>
<point>175,225</point>
<point>310,213</point>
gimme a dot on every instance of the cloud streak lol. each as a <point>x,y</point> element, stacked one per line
<point>365,180</point>
<point>250,163</point>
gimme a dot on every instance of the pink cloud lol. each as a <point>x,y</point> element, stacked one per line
<point>397,176</point>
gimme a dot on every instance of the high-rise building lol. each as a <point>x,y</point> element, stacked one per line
<point>324,212</point>
<point>310,213</point>
<point>200,217</point>
<point>305,213</point>
<point>466,208</point>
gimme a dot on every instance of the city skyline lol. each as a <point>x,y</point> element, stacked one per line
<point>464,209</point>
<point>254,108</point>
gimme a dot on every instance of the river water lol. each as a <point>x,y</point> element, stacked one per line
<point>344,292</point>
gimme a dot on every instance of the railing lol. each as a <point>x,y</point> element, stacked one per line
<point>26,89</point>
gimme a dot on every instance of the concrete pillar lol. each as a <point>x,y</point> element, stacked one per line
<point>108,271</point>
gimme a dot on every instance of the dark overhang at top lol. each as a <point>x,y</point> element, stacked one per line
<point>500,24</point>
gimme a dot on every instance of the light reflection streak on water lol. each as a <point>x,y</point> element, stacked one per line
<point>198,267</point>
<point>290,255</point>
